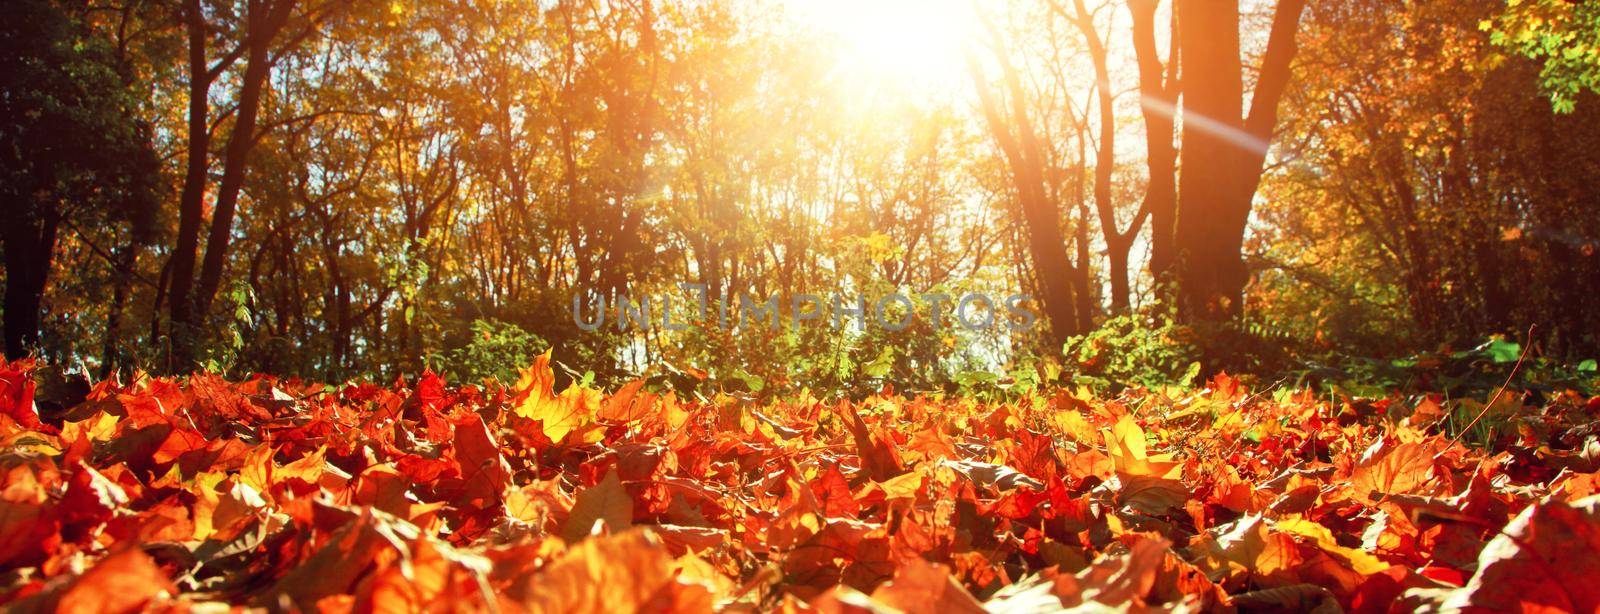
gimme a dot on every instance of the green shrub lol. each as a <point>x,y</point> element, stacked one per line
<point>1148,349</point>
<point>496,349</point>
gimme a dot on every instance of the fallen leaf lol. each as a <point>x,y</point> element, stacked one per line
<point>606,502</point>
<point>1542,561</point>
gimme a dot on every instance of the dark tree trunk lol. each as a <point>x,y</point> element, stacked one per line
<point>190,299</point>
<point>1117,252</point>
<point>1118,241</point>
<point>339,306</point>
<point>1053,275</point>
<point>191,204</point>
<point>1158,91</point>
<point>1420,274</point>
<point>1210,230</point>
<point>1053,269</point>
<point>29,250</point>
<point>121,284</point>
<point>1223,151</point>
<point>263,28</point>
<point>1496,301</point>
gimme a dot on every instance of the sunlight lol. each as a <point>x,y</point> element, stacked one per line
<point>915,45</point>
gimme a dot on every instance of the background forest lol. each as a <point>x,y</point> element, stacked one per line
<point>1324,189</point>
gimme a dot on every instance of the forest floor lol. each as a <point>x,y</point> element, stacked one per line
<point>283,494</point>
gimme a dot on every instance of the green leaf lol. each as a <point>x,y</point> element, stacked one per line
<point>1191,374</point>
<point>751,381</point>
<point>1502,351</point>
<point>880,366</point>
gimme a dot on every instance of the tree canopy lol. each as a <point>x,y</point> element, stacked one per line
<point>347,189</point>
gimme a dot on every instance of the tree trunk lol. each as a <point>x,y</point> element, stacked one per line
<point>1086,298</point>
<point>1490,277</point>
<point>121,282</point>
<point>1158,91</point>
<point>1211,227</point>
<point>1117,252</point>
<point>258,64</point>
<point>1105,165</point>
<point>1223,152</point>
<point>338,307</point>
<point>29,250</point>
<point>191,204</point>
<point>1053,270</point>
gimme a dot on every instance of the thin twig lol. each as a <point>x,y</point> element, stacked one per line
<point>1527,345</point>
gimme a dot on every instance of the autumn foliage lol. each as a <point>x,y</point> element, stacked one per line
<point>170,494</point>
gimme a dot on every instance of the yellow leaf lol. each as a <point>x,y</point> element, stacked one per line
<point>258,468</point>
<point>101,427</point>
<point>1073,424</point>
<point>537,381</point>
<point>675,414</point>
<point>557,415</point>
<point>1359,561</point>
<point>1126,447</point>
<point>308,468</point>
<point>902,487</point>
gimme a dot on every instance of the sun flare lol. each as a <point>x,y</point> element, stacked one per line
<point>916,44</point>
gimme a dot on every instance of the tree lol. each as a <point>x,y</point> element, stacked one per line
<point>1435,196</point>
<point>1035,177</point>
<point>1158,92</point>
<point>1223,149</point>
<point>1564,35</point>
<point>68,153</point>
<point>1119,241</point>
<point>263,37</point>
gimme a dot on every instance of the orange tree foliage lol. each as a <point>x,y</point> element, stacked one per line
<point>279,494</point>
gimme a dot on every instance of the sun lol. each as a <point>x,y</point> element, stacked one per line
<point>916,45</point>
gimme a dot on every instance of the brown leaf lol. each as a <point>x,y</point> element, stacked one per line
<point>878,457</point>
<point>1151,495</point>
<point>336,567</point>
<point>606,502</point>
<point>1400,470</point>
<point>1292,598</point>
<point>1542,561</point>
<point>1116,581</point>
